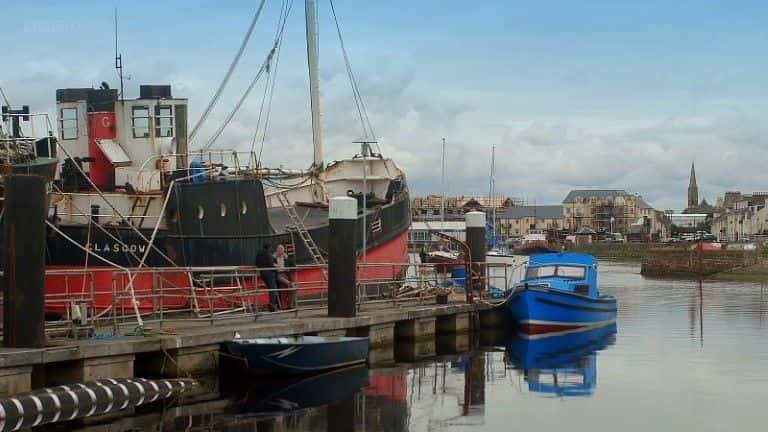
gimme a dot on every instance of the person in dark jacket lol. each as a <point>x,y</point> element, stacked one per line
<point>266,264</point>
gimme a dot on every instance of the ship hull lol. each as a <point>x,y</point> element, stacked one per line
<point>102,288</point>
<point>538,311</point>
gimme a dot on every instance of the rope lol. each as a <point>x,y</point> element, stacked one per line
<point>264,68</point>
<point>362,112</point>
<point>228,75</point>
<point>110,235</point>
<point>134,302</point>
<point>86,250</point>
<point>5,98</point>
<point>289,6</point>
<point>85,267</point>
<point>283,10</point>
<point>114,209</point>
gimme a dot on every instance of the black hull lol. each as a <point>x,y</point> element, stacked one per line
<point>216,241</point>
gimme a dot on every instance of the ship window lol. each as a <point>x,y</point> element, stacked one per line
<point>540,272</point>
<point>140,122</point>
<point>223,209</point>
<point>572,272</point>
<point>243,207</point>
<point>163,121</point>
<point>68,120</point>
<point>200,212</point>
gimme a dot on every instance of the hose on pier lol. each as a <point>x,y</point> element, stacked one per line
<point>68,402</point>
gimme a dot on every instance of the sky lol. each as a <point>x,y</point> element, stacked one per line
<point>573,94</point>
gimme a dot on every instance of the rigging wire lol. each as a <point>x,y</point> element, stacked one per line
<point>284,9</point>
<point>101,227</point>
<point>265,67</point>
<point>8,103</point>
<point>228,75</point>
<point>362,111</point>
<point>131,275</point>
<point>271,90</point>
<point>258,120</point>
<point>5,98</point>
<point>111,206</point>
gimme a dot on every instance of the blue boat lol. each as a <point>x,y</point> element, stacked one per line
<point>559,294</point>
<point>564,364</point>
<point>297,354</point>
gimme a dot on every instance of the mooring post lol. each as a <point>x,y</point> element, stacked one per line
<point>24,261</point>
<point>342,239</point>
<point>475,222</point>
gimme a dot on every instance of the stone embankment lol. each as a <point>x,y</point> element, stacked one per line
<point>686,262</point>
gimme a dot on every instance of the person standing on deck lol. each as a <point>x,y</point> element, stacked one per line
<point>283,260</point>
<point>266,264</point>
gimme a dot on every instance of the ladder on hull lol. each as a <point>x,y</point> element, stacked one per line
<point>297,226</point>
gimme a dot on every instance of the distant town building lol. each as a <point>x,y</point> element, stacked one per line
<point>606,210</point>
<point>518,220</point>
<point>741,216</point>
<point>428,208</point>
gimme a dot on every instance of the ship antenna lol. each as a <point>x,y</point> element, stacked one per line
<point>119,62</point>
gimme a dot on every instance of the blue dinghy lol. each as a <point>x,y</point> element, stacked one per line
<point>298,354</point>
<point>559,294</point>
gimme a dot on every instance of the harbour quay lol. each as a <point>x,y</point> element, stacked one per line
<point>403,319</point>
<point>192,348</point>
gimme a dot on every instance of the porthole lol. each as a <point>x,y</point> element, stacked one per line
<point>243,207</point>
<point>223,209</point>
<point>200,212</point>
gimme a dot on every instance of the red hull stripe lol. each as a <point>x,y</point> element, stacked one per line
<point>532,328</point>
<point>98,287</point>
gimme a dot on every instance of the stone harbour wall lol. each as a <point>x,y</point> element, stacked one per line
<point>683,262</point>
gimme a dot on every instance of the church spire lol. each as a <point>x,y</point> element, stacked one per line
<point>693,189</point>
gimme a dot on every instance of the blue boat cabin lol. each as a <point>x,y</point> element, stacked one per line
<point>570,272</point>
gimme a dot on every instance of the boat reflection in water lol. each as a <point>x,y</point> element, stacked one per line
<point>561,364</point>
<point>264,396</point>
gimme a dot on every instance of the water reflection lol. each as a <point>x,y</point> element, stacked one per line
<point>561,365</point>
<point>264,396</point>
<point>659,375</point>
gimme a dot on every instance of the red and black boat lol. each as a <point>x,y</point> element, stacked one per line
<point>127,179</point>
<point>140,221</point>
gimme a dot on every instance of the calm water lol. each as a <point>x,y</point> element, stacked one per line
<point>681,359</point>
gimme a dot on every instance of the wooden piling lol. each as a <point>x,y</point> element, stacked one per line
<point>24,261</point>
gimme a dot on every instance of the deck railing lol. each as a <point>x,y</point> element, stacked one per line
<point>97,301</point>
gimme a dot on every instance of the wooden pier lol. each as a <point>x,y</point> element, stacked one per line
<point>183,348</point>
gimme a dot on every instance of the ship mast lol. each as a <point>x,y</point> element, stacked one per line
<point>310,10</point>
